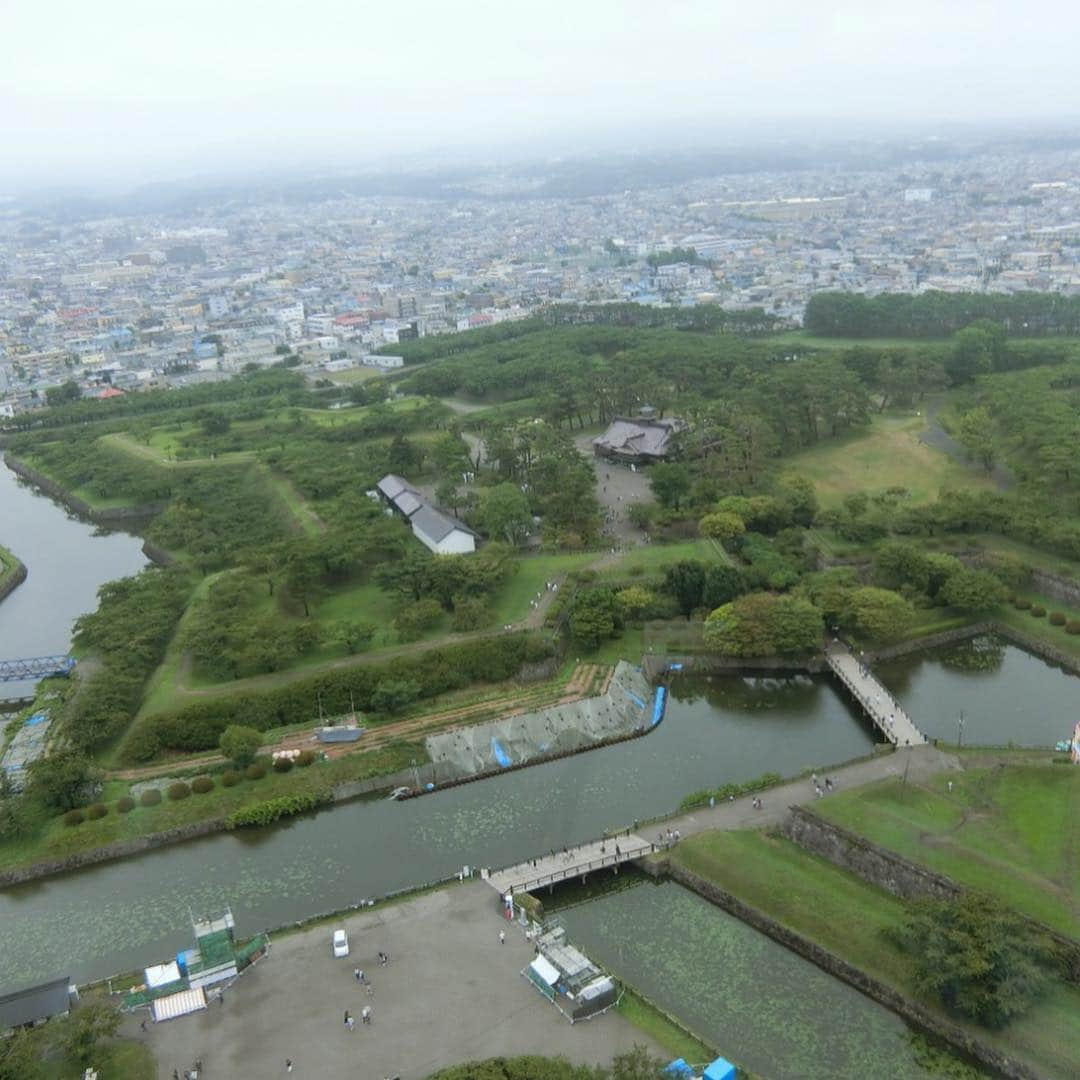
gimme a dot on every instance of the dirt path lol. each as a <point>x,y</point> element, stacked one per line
<point>580,685</point>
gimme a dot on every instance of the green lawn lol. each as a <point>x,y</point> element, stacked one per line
<point>511,602</point>
<point>845,915</point>
<point>1009,831</point>
<point>886,454</point>
<point>652,559</point>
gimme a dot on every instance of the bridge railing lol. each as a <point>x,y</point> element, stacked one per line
<point>577,869</point>
<point>35,667</point>
<point>875,714</point>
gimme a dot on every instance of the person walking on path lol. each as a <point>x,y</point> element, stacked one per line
<point>365,1014</point>
<point>288,1064</point>
<point>358,974</point>
<point>502,937</point>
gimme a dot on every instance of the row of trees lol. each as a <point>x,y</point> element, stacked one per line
<point>939,314</point>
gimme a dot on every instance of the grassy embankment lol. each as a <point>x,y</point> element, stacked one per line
<point>1010,832</point>
<point>848,917</point>
<point>9,565</point>
<point>49,838</point>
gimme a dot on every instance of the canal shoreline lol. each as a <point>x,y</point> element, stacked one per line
<point>910,1011</point>
<point>656,669</point>
<point>14,576</point>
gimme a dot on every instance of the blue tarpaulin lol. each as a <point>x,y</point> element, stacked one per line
<point>658,705</point>
<point>679,1068</point>
<point>720,1069</point>
<point>636,700</point>
<point>37,718</point>
<point>499,754</point>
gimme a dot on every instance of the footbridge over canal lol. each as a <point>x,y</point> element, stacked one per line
<point>35,667</point>
<point>569,863</point>
<point>885,712</point>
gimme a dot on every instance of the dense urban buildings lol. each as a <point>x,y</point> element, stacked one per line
<point>120,303</point>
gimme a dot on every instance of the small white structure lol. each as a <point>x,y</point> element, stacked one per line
<point>384,362</point>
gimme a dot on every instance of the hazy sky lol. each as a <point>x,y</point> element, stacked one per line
<point>141,89</point>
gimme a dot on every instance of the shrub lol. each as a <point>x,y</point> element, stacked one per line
<point>283,764</point>
<point>1021,604</point>
<point>178,791</point>
<point>264,813</point>
<point>1072,626</point>
<point>74,817</point>
<point>255,772</point>
<point>1057,618</point>
<point>1038,611</point>
<point>125,805</point>
<point>150,797</point>
<point>97,810</point>
<point>230,778</point>
<point>306,758</point>
<point>202,784</point>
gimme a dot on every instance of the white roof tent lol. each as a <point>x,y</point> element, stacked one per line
<point>180,1004</point>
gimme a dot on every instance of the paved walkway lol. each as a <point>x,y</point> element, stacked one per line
<point>919,762</point>
<point>569,863</point>
<point>877,702</point>
<point>452,993</point>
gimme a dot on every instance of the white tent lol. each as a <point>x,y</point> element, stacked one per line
<point>186,1001</point>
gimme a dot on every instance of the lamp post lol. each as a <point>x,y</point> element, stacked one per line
<point>960,730</point>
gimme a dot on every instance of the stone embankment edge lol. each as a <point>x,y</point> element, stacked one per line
<point>122,849</point>
<point>13,580</point>
<point>110,515</point>
<point>909,1010</point>
<point>896,875</point>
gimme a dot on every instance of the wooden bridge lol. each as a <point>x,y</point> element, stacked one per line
<point>885,712</point>
<point>569,863</point>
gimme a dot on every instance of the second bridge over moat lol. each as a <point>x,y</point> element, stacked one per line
<point>886,714</point>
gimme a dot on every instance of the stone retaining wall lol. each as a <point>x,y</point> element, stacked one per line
<point>873,988</point>
<point>657,666</point>
<point>1056,587</point>
<point>898,876</point>
<point>110,515</point>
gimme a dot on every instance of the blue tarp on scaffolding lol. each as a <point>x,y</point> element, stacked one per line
<point>658,705</point>
<point>499,754</point>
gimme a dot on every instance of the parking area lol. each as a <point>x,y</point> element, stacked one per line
<point>450,993</point>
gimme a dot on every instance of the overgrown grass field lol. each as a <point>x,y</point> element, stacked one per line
<point>887,454</point>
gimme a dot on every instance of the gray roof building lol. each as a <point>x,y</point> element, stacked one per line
<point>640,440</point>
<point>34,1004</point>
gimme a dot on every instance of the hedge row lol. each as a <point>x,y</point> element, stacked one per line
<point>435,671</point>
<point>271,810</point>
<point>730,791</point>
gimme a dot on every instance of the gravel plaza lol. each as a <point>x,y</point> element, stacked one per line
<point>451,993</point>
